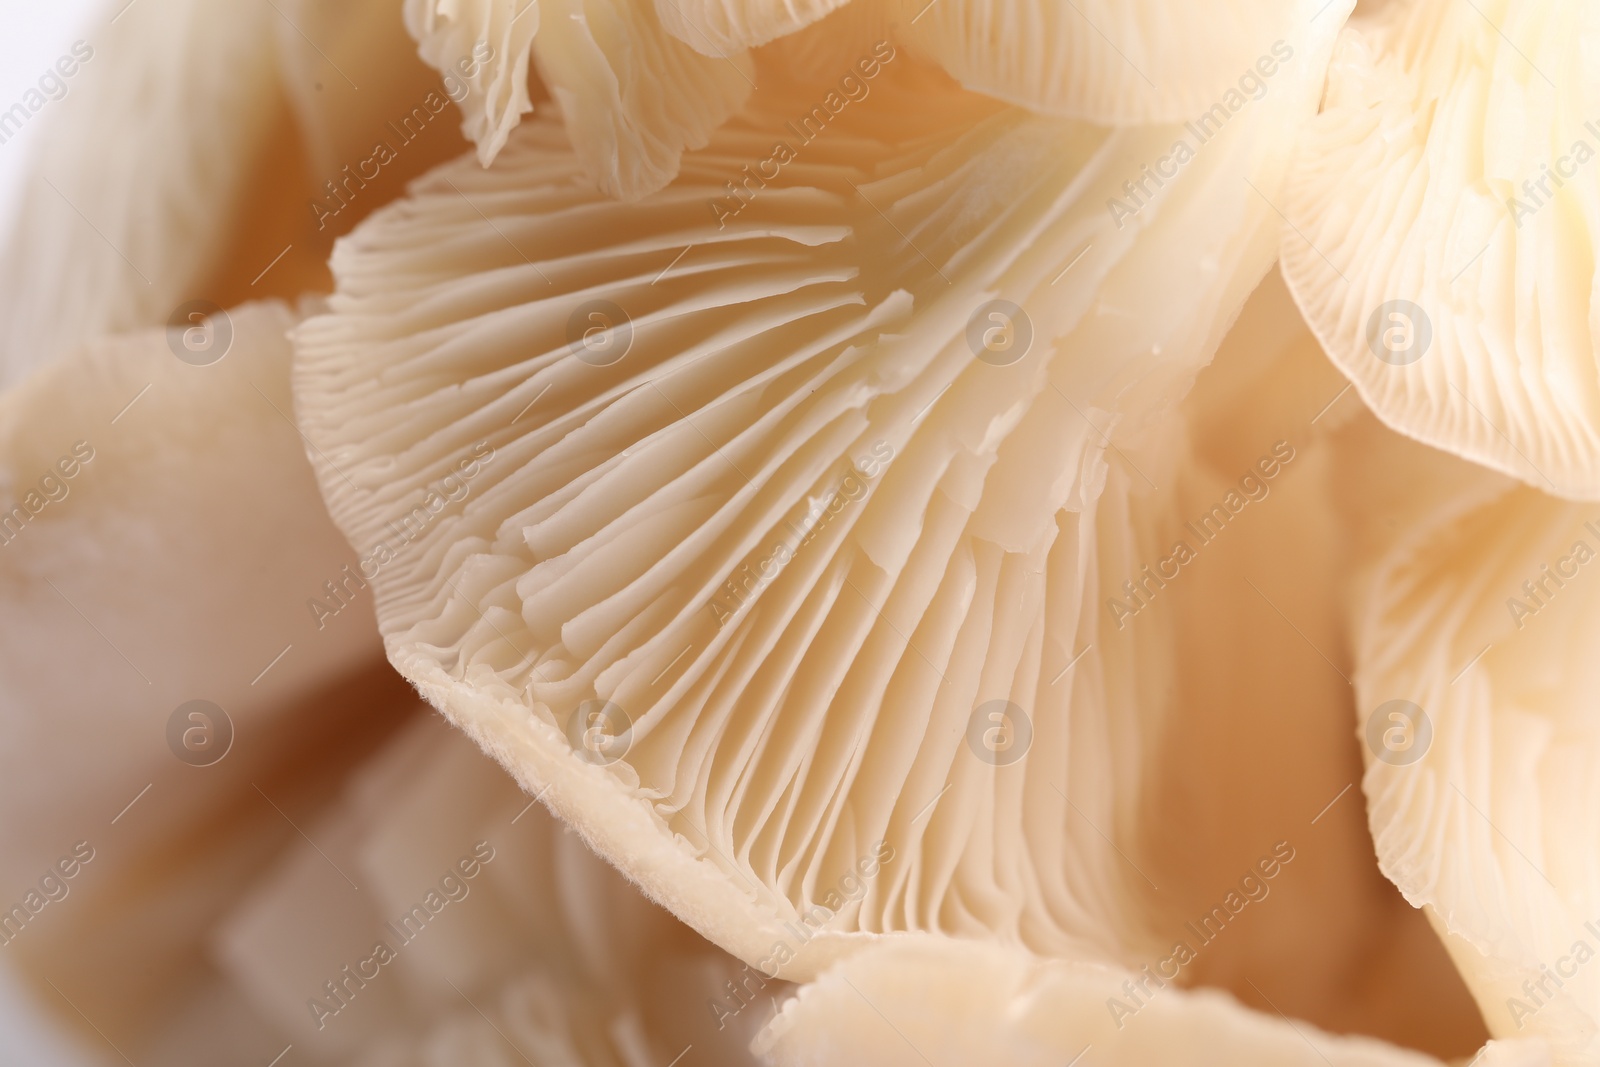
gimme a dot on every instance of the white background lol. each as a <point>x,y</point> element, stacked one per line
<point>33,35</point>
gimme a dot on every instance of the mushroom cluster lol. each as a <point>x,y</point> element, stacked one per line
<point>927,532</point>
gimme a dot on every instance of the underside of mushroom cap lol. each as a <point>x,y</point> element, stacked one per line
<point>747,517</point>
<point>634,97</point>
<point>484,46</point>
<point>1476,682</point>
<point>1439,231</point>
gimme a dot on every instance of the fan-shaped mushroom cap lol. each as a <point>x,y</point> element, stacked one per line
<point>1476,683</point>
<point>738,515</point>
<point>927,1002</point>
<point>634,97</point>
<point>1438,231</point>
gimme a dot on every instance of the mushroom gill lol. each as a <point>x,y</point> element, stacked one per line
<point>1474,677</point>
<point>1439,230</point>
<point>781,495</point>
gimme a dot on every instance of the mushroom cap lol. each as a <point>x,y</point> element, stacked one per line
<point>1115,61</point>
<point>1443,263</point>
<point>506,938</point>
<point>744,523</point>
<point>484,45</point>
<point>161,537</point>
<point>195,599</point>
<point>728,27</point>
<point>930,1002</point>
<point>634,97</point>
<point>140,166</point>
<point>225,177</point>
<point>1476,684</point>
<point>1112,62</point>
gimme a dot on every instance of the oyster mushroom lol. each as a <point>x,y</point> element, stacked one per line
<point>1474,686</point>
<point>65,280</point>
<point>649,396</point>
<point>567,437</point>
<point>504,939</point>
<point>1104,62</point>
<point>159,182</point>
<point>1437,231</point>
<point>930,1003</point>
<point>634,97</point>
<point>1113,61</point>
<point>159,666</point>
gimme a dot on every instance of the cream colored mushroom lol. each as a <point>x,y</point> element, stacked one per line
<point>1114,61</point>
<point>634,97</point>
<point>931,1003</point>
<point>482,932</point>
<point>1438,231</point>
<point>224,176</point>
<point>161,673</point>
<point>921,324</point>
<point>1475,685</point>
